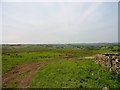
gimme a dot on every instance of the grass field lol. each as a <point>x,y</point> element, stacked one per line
<point>74,74</point>
<point>56,66</point>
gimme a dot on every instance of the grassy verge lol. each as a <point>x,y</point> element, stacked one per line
<point>10,60</point>
<point>74,74</point>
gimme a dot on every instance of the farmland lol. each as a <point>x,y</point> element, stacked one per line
<point>56,66</point>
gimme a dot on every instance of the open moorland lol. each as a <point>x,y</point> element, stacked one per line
<point>56,66</point>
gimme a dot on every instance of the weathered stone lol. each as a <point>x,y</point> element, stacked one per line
<point>110,61</point>
<point>105,88</point>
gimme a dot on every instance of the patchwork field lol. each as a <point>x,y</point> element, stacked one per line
<point>56,66</point>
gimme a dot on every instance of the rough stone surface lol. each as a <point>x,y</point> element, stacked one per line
<point>105,88</point>
<point>110,61</point>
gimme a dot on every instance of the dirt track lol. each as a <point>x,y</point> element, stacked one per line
<point>24,73</point>
<point>24,79</point>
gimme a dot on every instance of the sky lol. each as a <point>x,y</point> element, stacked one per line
<point>59,22</point>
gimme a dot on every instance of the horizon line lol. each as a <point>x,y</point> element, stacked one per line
<point>67,43</point>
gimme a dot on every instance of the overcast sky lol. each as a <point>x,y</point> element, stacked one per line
<point>59,22</point>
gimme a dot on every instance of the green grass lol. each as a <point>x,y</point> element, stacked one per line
<point>11,60</point>
<point>12,84</point>
<point>65,74</point>
<point>12,57</point>
<point>74,74</point>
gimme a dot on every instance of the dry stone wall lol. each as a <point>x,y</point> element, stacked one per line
<point>110,61</point>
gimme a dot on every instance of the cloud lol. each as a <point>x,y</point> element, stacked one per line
<point>0,23</point>
<point>60,0</point>
<point>59,22</point>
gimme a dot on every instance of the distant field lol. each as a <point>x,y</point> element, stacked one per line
<point>55,66</point>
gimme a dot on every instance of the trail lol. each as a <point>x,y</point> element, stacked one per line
<point>24,73</point>
<point>16,74</point>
